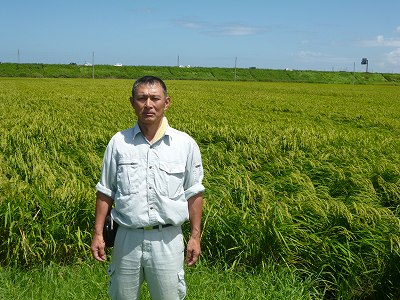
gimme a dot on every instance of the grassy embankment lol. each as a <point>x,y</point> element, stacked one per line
<point>303,183</point>
<point>194,73</point>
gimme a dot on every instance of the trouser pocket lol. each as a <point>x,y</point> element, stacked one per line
<point>111,283</point>
<point>181,285</point>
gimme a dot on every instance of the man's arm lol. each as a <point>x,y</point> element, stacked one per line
<point>103,204</point>
<point>195,205</point>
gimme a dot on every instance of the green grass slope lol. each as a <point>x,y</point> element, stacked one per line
<point>193,73</point>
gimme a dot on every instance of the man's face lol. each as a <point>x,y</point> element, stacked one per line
<point>150,103</point>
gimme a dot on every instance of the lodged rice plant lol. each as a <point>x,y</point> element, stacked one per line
<point>300,175</point>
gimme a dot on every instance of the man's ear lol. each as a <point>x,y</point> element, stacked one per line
<point>167,102</point>
<point>131,99</point>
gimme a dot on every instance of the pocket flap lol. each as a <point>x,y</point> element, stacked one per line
<point>128,161</point>
<point>172,168</point>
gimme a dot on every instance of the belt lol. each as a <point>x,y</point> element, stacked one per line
<point>155,227</point>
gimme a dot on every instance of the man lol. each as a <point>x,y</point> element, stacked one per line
<point>153,175</point>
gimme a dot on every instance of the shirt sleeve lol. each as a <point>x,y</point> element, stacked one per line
<point>107,184</point>
<point>194,172</point>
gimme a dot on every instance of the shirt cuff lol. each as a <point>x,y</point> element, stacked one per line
<point>102,189</point>
<point>194,190</point>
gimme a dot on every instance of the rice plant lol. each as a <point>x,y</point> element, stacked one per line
<point>303,176</point>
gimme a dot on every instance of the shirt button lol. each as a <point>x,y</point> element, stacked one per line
<point>150,167</point>
<point>149,187</point>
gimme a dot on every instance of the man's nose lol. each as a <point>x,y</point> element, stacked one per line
<point>148,102</point>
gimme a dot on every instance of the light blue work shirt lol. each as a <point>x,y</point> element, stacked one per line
<point>151,183</point>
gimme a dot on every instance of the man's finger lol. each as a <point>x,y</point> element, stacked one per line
<point>192,257</point>
<point>99,255</point>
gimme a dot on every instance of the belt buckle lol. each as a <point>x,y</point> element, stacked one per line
<point>148,227</point>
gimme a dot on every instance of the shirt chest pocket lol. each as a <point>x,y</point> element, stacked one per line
<point>128,176</point>
<point>169,179</point>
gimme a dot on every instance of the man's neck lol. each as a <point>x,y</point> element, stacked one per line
<point>150,130</point>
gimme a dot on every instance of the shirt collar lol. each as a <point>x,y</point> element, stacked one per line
<point>136,130</point>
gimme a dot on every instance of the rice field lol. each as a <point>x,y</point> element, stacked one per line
<point>304,176</point>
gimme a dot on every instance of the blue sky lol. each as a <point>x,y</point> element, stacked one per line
<point>294,34</point>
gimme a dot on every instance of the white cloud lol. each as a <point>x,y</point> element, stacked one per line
<point>310,54</point>
<point>235,30</point>
<point>222,29</point>
<point>381,41</point>
<point>190,25</point>
<point>393,57</point>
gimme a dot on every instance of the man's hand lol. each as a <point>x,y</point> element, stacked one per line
<point>193,251</point>
<point>195,205</point>
<point>98,247</point>
<point>103,205</point>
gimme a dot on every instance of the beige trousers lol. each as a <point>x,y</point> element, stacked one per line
<point>155,256</point>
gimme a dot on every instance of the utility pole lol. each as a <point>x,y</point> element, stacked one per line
<point>18,56</point>
<point>235,66</point>
<point>93,65</point>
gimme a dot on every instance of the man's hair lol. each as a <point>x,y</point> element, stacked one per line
<point>149,80</point>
